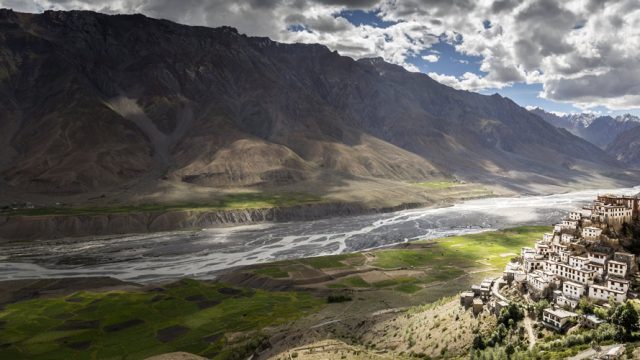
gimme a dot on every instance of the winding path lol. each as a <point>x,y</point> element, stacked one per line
<point>529,327</point>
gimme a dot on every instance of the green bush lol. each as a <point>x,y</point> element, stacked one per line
<point>338,298</point>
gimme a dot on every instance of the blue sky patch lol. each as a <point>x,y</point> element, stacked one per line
<point>359,17</point>
<point>452,63</point>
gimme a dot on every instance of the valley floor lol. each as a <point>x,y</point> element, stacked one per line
<point>377,304</point>
<point>185,207</point>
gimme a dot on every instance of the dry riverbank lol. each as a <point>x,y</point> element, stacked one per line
<point>78,222</point>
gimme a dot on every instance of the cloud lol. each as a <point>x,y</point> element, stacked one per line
<point>585,52</point>
<point>431,58</point>
<point>468,81</point>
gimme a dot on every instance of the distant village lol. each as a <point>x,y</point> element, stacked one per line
<point>581,259</point>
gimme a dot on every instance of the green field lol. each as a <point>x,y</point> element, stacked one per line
<point>487,248</point>
<point>441,259</point>
<point>185,316</point>
<point>227,202</point>
<point>438,184</point>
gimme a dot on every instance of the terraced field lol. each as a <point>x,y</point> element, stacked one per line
<point>410,267</point>
<point>213,320</point>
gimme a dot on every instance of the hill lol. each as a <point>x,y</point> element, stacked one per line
<point>126,107</point>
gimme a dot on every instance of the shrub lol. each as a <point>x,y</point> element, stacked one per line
<point>338,298</point>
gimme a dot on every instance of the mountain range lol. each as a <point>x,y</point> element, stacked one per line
<point>599,130</point>
<point>626,147</point>
<point>94,103</point>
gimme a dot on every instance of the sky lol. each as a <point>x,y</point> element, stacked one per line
<point>566,56</point>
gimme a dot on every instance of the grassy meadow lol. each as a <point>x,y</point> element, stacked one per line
<point>188,316</point>
<point>437,260</point>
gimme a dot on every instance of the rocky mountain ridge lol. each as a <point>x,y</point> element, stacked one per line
<point>626,147</point>
<point>93,103</point>
<point>599,130</point>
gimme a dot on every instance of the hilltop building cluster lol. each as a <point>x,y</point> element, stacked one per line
<point>581,258</point>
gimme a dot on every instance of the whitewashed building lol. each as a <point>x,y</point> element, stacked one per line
<point>603,293</point>
<point>598,257</point>
<point>557,319</point>
<point>567,238</point>
<point>591,233</point>
<point>568,272</point>
<point>577,261</point>
<point>618,284</point>
<point>572,290</point>
<point>616,268</point>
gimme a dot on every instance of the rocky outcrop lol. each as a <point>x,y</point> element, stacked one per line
<point>57,226</point>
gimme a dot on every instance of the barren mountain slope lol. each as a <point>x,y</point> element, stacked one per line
<point>97,103</point>
<point>626,147</point>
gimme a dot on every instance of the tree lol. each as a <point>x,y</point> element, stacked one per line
<point>626,316</point>
<point>510,315</point>
<point>509,350</point>
<point>478,342</point>
<point>540,306</point>
<point>586,306</point>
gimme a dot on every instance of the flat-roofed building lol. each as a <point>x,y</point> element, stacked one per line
<point>567,272</point>
<point>618,284</point>
<point>575,215</point>
<point>524,251</point>
<point>627,258</point>
<point>557,319</point>
<point>569,225</point>
<point>567,238</point>
<point>537,281</point>
<point>572,290</point>
<point>547,237</point>
<point>616,268</point>
<point>593,321</point>
<point>542,248</point>
<point>614,215</point>
<point>478,306</point>
<point>598,257</point>
<point>466,299</point>
<point>591,233</point>
<point>577,261</point>
<point>603,293</point>
<point>533,263</point>
<point>559,247</point>
<point>597,267</point>
<point>564,301</point>
<point>631,202</point>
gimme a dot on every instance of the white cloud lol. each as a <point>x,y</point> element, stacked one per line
<point>468,81</point>
<point>584,52</point>
<point>431,58</point>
